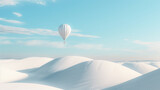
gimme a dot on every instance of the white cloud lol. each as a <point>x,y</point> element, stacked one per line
<point>152,46</point>
<point>91,46</point>
<point>53,0</point>
<point>82,35</point>
<point>148,51</point>
<point>19,38</point>
<point>8,2</point>
<point>41,3</point>
<point>42,43</point>
<point>3,38</point>
<point>19,30</point>
<point>56,44</point>
<point>17,14</point>
<point>15,2</point>
<point>141,42</point>
<point>11,21</point>
<point>6,42</point>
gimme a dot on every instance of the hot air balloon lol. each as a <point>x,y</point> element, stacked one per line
<point>64,31</point>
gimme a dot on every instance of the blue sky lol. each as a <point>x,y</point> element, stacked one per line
<point>104,29</point>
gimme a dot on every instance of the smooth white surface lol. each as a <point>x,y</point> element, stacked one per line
<point>61,64</point>
<point>64,31</point>
<point>26,63</point>
<point>156,64</point>
<point>25,86</point>
<point>140,67</point>
<point>76,73</point>
<point>149,81</point>
<point>91,75</point>
<point>8,75</point>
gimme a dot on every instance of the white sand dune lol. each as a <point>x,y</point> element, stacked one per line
<point>149,81</point>
<point>8,75</point>
<point>25,86</point>
<point>140,67</point>
<point>88,75</point>
<point>27,63</point>
<point>60,64</point>
<point>156,64</point>
<point>77,73</point>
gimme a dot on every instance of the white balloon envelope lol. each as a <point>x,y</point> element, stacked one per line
<point>64,31</point>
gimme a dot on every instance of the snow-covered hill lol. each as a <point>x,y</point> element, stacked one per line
<point>156,64</point>
<point>26,63</point>
<point>60,64</point>
<point>79,73</point>
<point>140,67</point>
<point>25,86</point>
<point>9,75</point>
<point>149,81</point>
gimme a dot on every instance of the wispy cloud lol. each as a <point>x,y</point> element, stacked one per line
<point>6,42</point>
<point>152,46</point>
<point>20,38</point>
<point>15,2</point>
<point>76,32</point>
<point>45,43</point>
<point>149,50</point>
<point>8,2</point>
<point>38,31</point>
<point>90,46</point>
<point>53,0</point>
<point>3,38</point>
<point>11,21</point>
<point>41,2</point>
<point>83,35</point>
<point>19,30</point>
<point>55,44</point>
<point>42,43</point>
<point>17,14</point>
